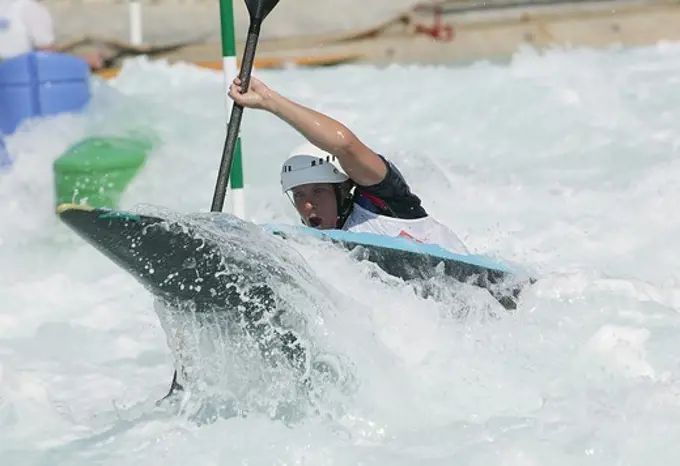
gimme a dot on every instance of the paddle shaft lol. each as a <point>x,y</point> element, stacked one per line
<point>258,10</point>
<point>235,118</point>
<point>230,142</point>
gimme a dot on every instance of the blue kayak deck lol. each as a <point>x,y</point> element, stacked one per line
<point>398,243</point>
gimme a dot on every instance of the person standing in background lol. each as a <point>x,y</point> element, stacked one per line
<point>26,26</point>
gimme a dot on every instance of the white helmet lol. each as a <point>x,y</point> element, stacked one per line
<point>309,164</point>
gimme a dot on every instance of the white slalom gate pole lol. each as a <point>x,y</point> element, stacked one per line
<point>135,15</point>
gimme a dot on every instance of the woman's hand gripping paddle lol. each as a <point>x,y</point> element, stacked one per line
<point>258,9</point>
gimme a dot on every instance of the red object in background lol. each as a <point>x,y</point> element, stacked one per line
<point>439,30</point>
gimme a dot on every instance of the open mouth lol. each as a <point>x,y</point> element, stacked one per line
<point>314,222</point>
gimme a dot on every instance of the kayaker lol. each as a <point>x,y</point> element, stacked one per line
<point>336,182</point>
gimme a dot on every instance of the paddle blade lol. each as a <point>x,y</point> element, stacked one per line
<point>259,9</point>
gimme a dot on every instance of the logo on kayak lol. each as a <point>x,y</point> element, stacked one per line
<point>404,234</point>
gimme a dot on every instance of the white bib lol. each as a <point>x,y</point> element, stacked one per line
<point>425,230</point>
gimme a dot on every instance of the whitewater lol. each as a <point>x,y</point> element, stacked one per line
<point>564,163</point>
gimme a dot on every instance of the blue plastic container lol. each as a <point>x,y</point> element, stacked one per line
<point>41,84</point>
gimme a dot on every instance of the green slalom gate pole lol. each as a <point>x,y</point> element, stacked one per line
<point>238,202</point>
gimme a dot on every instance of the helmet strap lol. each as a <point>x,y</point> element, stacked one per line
<point>345,202</point>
